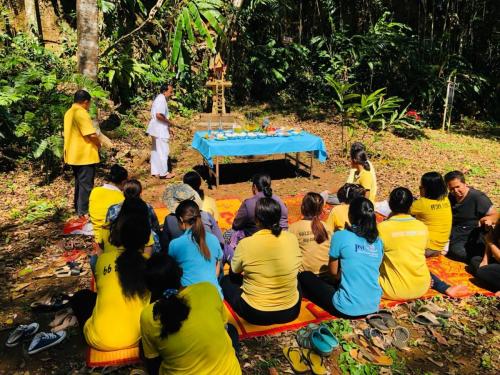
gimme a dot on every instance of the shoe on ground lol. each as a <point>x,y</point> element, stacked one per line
<point>20,333</point>
<point>45,340</point>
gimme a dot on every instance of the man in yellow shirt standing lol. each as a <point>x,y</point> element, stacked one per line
<point>81,149</point>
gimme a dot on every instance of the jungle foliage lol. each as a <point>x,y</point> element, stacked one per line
<point>368,61</point>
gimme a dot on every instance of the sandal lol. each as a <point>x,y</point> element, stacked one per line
<point>315,361</point>
<point>302,336</point>
<point>68,321</point>
<point>435,309</point>
<point>51,303</point>
<point>427,319</point>
<point>400,337</point>
<point>59,317</point>
<point>388,318</point>
<point>376,337</point>
<point>294,357</point>
<point>377,321</point>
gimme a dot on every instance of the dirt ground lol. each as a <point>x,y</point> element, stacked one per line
<point>32,213</point>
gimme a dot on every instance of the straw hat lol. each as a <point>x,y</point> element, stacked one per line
<point>178,192</point>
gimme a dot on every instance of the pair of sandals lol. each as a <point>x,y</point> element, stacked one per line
<point>304,360</point>
<point>429,313</point>
<point>318,338</point>
<point>383,323</point>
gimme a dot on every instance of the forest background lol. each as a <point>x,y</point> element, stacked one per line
<point>380,64</point>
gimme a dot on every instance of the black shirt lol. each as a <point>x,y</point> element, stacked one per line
<point>467,213</point>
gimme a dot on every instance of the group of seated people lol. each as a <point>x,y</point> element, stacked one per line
<point>165,287</point>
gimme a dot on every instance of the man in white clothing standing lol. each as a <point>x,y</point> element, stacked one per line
<point>160,131</point>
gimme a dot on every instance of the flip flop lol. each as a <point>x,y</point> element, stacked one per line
<point>427,319</point>
<point>435,309</point>
<point>68,321</point>
<point>400,337</point>
<point>51,303</point>
<point>388,318</point>
<point>377,321</point>
<point>316,362</point>
<point>376,337</point>
<point>294,357</point>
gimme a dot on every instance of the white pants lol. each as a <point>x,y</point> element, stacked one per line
<point>159,156</point>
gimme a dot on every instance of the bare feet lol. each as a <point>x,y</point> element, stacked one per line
<point>497,294</point>
<point>458,291</point>
<point>168,176</point>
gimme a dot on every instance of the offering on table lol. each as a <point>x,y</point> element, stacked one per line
<point>220,137</point>
<point>237,128</point>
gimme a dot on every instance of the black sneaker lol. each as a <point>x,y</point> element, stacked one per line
<point>44,340</point>
<point>20,333</point>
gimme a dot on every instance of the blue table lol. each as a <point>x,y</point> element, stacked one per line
<point>211,149</point>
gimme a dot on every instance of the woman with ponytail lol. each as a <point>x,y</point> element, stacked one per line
<point>362,175</point>
<point>312,235</point>
<point>339,215</point>
<point>197,252</point>
<point>110,318</point>
<point>355,257</point>
<point>245,217</point>
<point>183,331</point>
<point>262,288</point>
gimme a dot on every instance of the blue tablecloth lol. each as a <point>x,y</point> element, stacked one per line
<point>258,146</point>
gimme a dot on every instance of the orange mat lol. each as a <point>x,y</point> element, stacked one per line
<point>123,357</point>
<point>449,271</point>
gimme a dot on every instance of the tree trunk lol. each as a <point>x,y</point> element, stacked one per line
<point>30,7</point>
<point>88,37</point>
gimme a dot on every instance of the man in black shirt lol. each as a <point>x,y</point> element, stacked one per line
<point>473,212</point>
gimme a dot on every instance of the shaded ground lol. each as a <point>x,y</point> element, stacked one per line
<point>31,214</point>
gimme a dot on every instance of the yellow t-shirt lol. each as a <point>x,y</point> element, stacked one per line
<point>108,247</point>
<point>339,216</point>
<point>115,321</point>
<point>437,216</point>
<point>314,255</point>
<point>100,200</point>
<point>202,345</point>
<point>365,179</point>
<point>270,265</point>
<point>209,205</point>
<point>352,173</point>
<point>77,149</point>
<point>403,273</point>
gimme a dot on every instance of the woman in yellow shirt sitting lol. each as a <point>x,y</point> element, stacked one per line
<point>209,205</point>
<point>404,274</point>
<point>111,317</point>
<point>362,175</point>
<point>434,210</point>
<point>312,235</point>
<point>339,217</point>
<point>184,332</point>
<point>262,287</point>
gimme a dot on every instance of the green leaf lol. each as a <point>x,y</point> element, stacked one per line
<point>187,25</point>
<point>42,146</point>
<point>209,16</point>
<point>177,42</point>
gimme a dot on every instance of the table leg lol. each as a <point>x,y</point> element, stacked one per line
<point>311,167</point>
<point>297,159</point>
<point>216,171</point>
